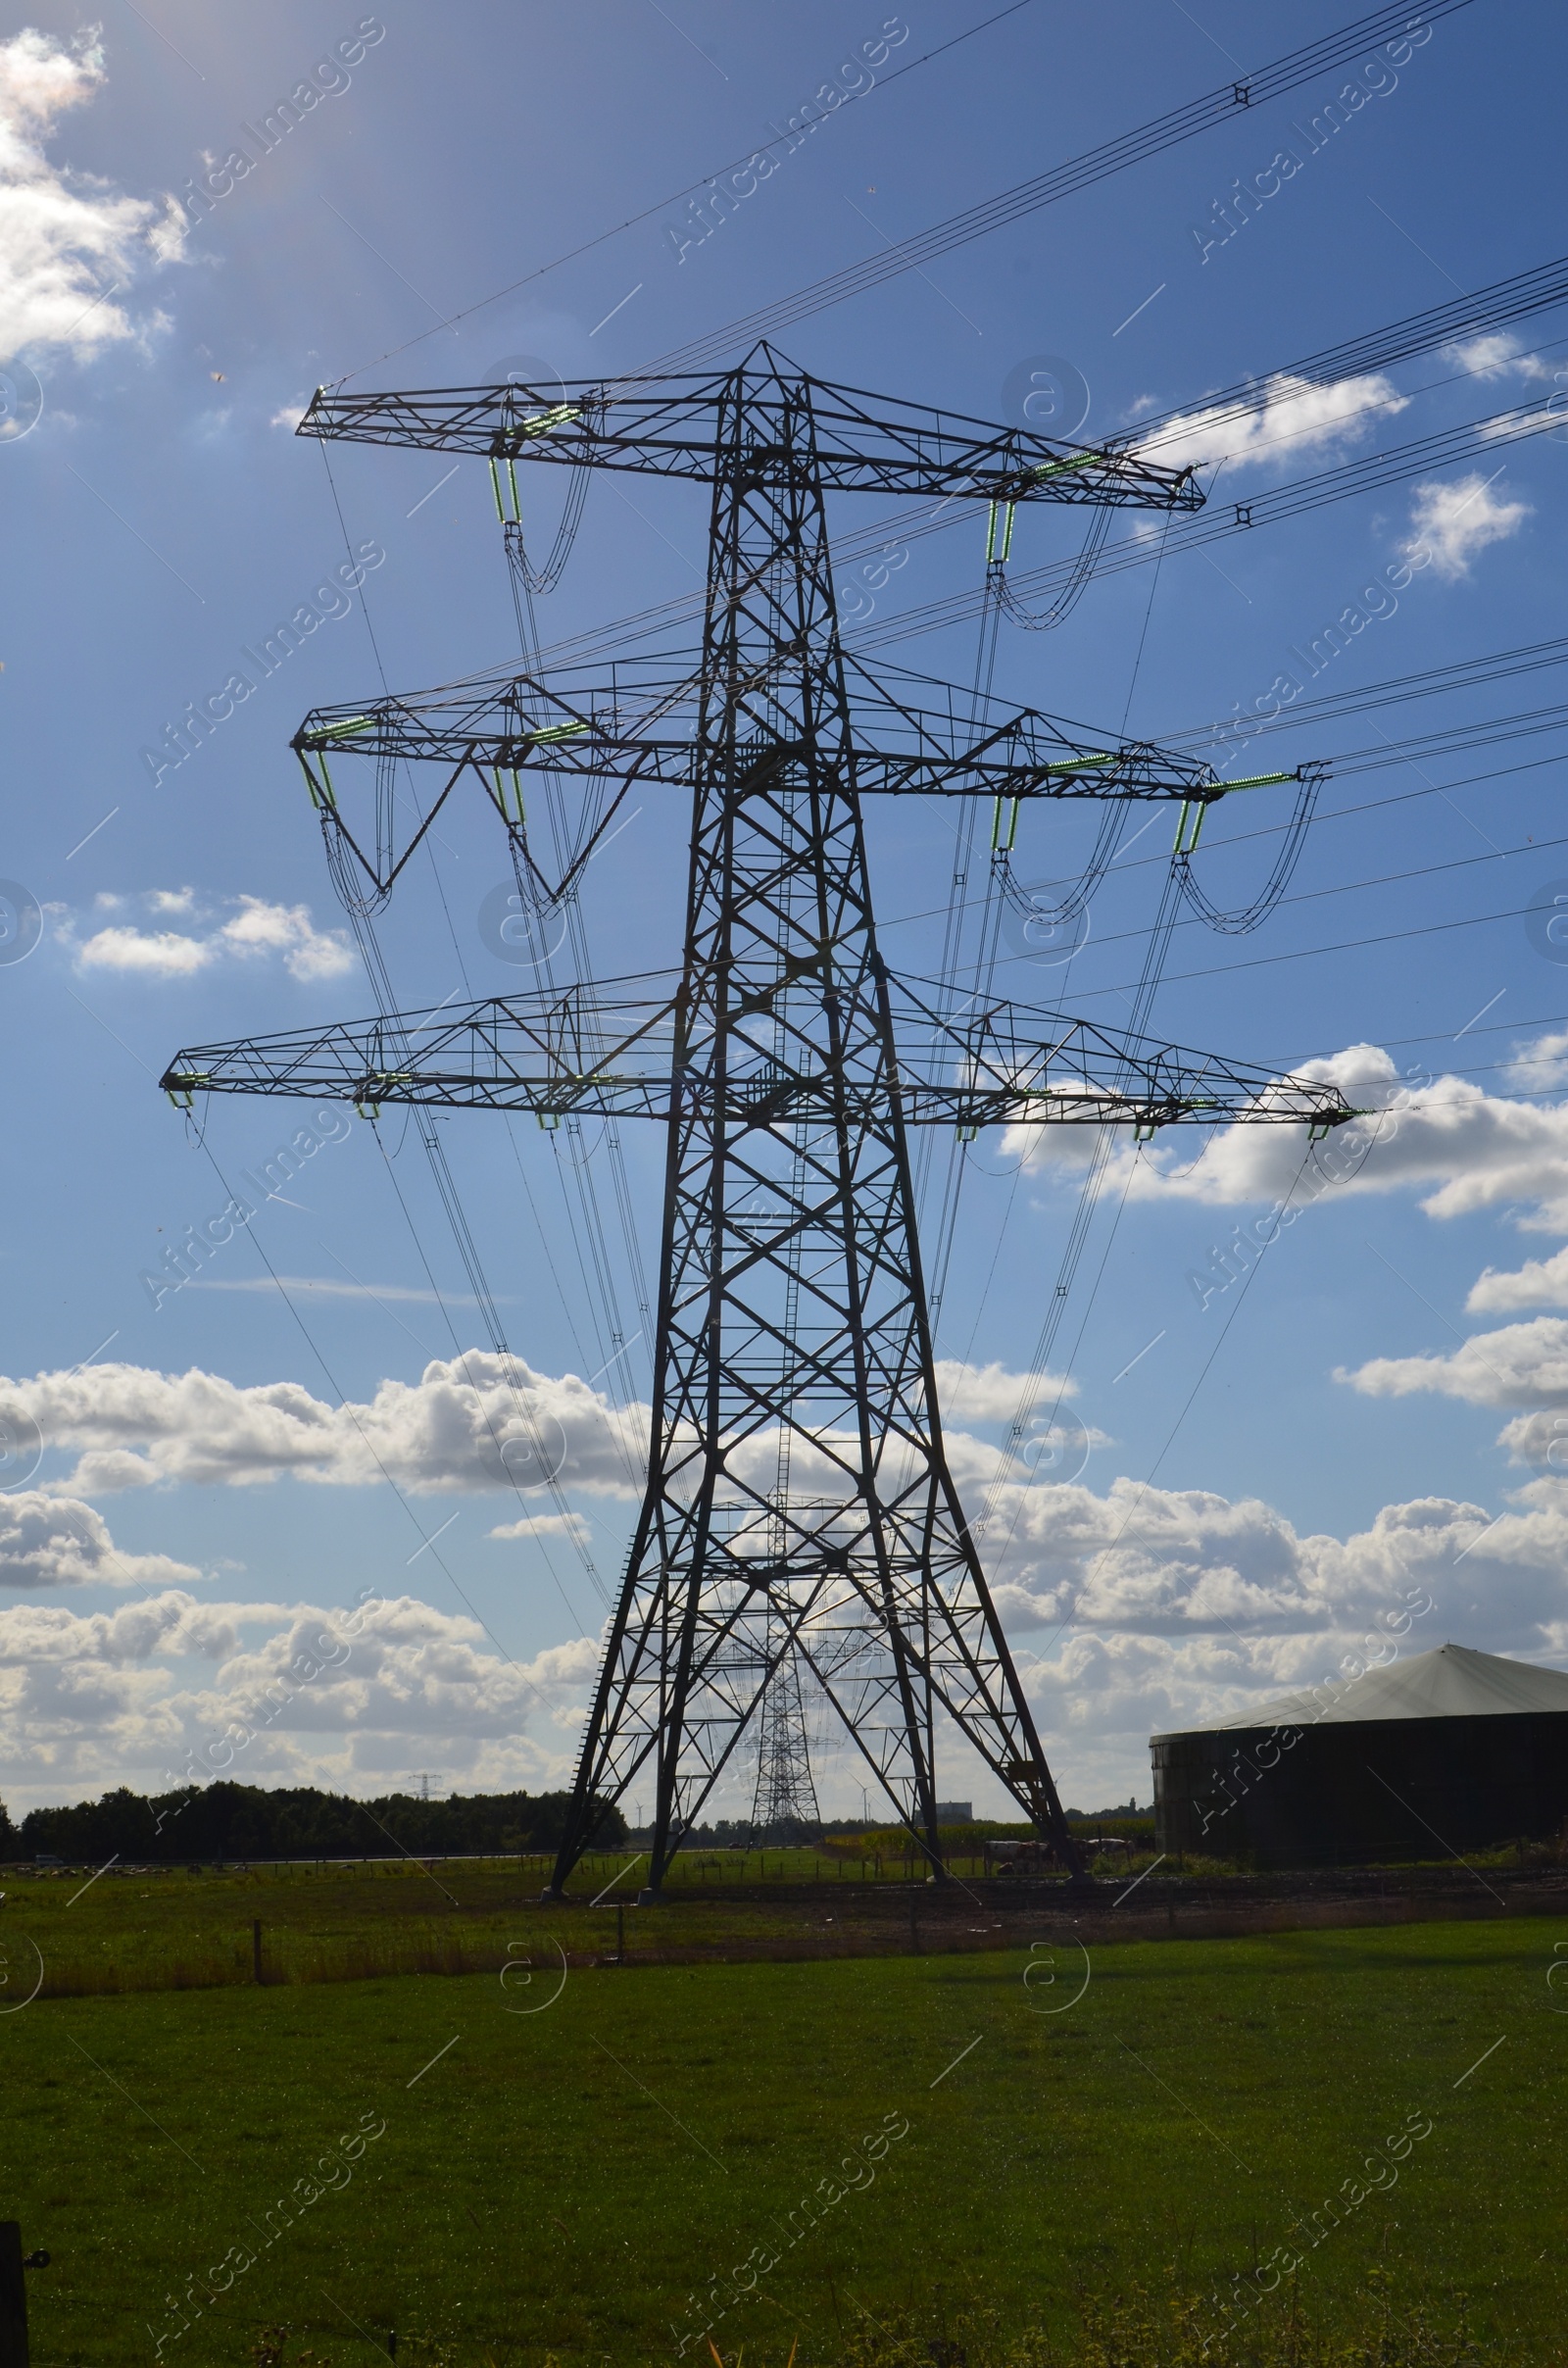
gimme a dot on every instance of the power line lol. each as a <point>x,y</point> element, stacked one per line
<point>1268,830</point>
<point>445,1182</point>
<point>1390,344</point>
<point>1368,474</point>
<point>735,164</point>
<point>1539,289</point>
<point>1462,674</point>
<point>346,1405</point>
<point>1112,156</point>
<point>1351,945</point>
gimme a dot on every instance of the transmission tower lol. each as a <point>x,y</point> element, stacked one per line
<point>799,1507</point>
<point>786,1792</point>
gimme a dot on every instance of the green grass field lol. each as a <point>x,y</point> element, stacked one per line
<point>185,1929</point>
<point>572,2180</point>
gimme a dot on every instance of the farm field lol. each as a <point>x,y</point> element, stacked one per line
<point>574,2165</point>
<point>177,1928</point>
<point>193,1927</point>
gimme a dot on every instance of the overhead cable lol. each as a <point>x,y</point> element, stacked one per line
<point>1366,475</point>
<point>735,165</point>
<point>1168,130</point>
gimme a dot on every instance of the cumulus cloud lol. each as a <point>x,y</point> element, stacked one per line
<point>1519,1365</point>
<point>1457,518</point>
<point>68,244</point>
<point>1538,1283</point>
<point>544,1525</point>
<point>1540,1064</point>
<point>1291,419</point>
<point>253,930</point>
<point>1176,1561</point>
<point>1131,1612</point>
<point>57,1541</point>
<point>295,1693</point>
<point>1464,1149</point>
<point>478,1422</point>
<point>989,1393</point>
<point>1144,1611</point>
<point>170,1624</point>
<point>1497,355</point>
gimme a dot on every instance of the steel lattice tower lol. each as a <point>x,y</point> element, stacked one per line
<point>785,1790</point>
<point>799,1514</point>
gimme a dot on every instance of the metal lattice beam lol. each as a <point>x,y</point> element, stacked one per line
<point>665,427</point>
<point>611,1051</point>
<point>913,736</point>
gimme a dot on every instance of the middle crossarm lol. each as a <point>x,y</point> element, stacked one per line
<point>615,1052</point>
<point>913,736</point>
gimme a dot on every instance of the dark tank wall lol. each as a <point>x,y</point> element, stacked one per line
<point>1339,1793</point>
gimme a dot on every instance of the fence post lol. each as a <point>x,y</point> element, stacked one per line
<point>256,1951</point>
<point>620,1934</point>
<point>13,2298</point>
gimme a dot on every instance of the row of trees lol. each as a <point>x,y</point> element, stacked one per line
<point>244,1821</point>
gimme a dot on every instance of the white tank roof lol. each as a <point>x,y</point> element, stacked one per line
<point>1451,1682</point>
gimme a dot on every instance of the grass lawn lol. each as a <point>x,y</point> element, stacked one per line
<point>566,2180</point>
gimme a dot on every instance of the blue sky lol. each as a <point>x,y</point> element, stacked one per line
<point>1288,1455</point>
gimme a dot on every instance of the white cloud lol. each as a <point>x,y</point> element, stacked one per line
<point>56,1541</point>
<point>68,242</point>
<point>1174,1560</point>
<point>1539,1064</point>
<point>1456,519</point>
<point>1519,1365</point>
<point>253,930</point>
<point>1538,1283</point>
<point>316,1697</point>
<point>1291,419</point>
<point>1467,1150</point>
<point>170,1624</point>
<point>1497,355</point>
<point>155,953</point>
<point>1172,1606</point>
<point>544,1525</point>
<point>478,1422</point>
<point>474,1422</point>
<point>989,1393</point>
<point>288,416</point>
<point>1133,1611</point>
<point>1152,1610</point>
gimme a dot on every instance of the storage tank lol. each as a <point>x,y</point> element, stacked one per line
<point>1427,1758</point>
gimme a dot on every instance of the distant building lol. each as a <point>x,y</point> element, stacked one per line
<point>954,1812</point>
<point>1446,1752</point>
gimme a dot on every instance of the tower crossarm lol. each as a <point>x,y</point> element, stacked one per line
<point>984,1062</point>
<point>668,426</point>
<point>615,1051</point>
<point>913,736</point>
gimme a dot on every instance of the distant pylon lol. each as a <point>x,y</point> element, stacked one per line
<point>785,1787</point>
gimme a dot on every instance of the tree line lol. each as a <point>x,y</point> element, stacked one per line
<point>228,1821</point>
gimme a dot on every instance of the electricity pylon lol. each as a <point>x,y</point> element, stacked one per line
<point>786,1061</point>
<point>784,1791</point>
